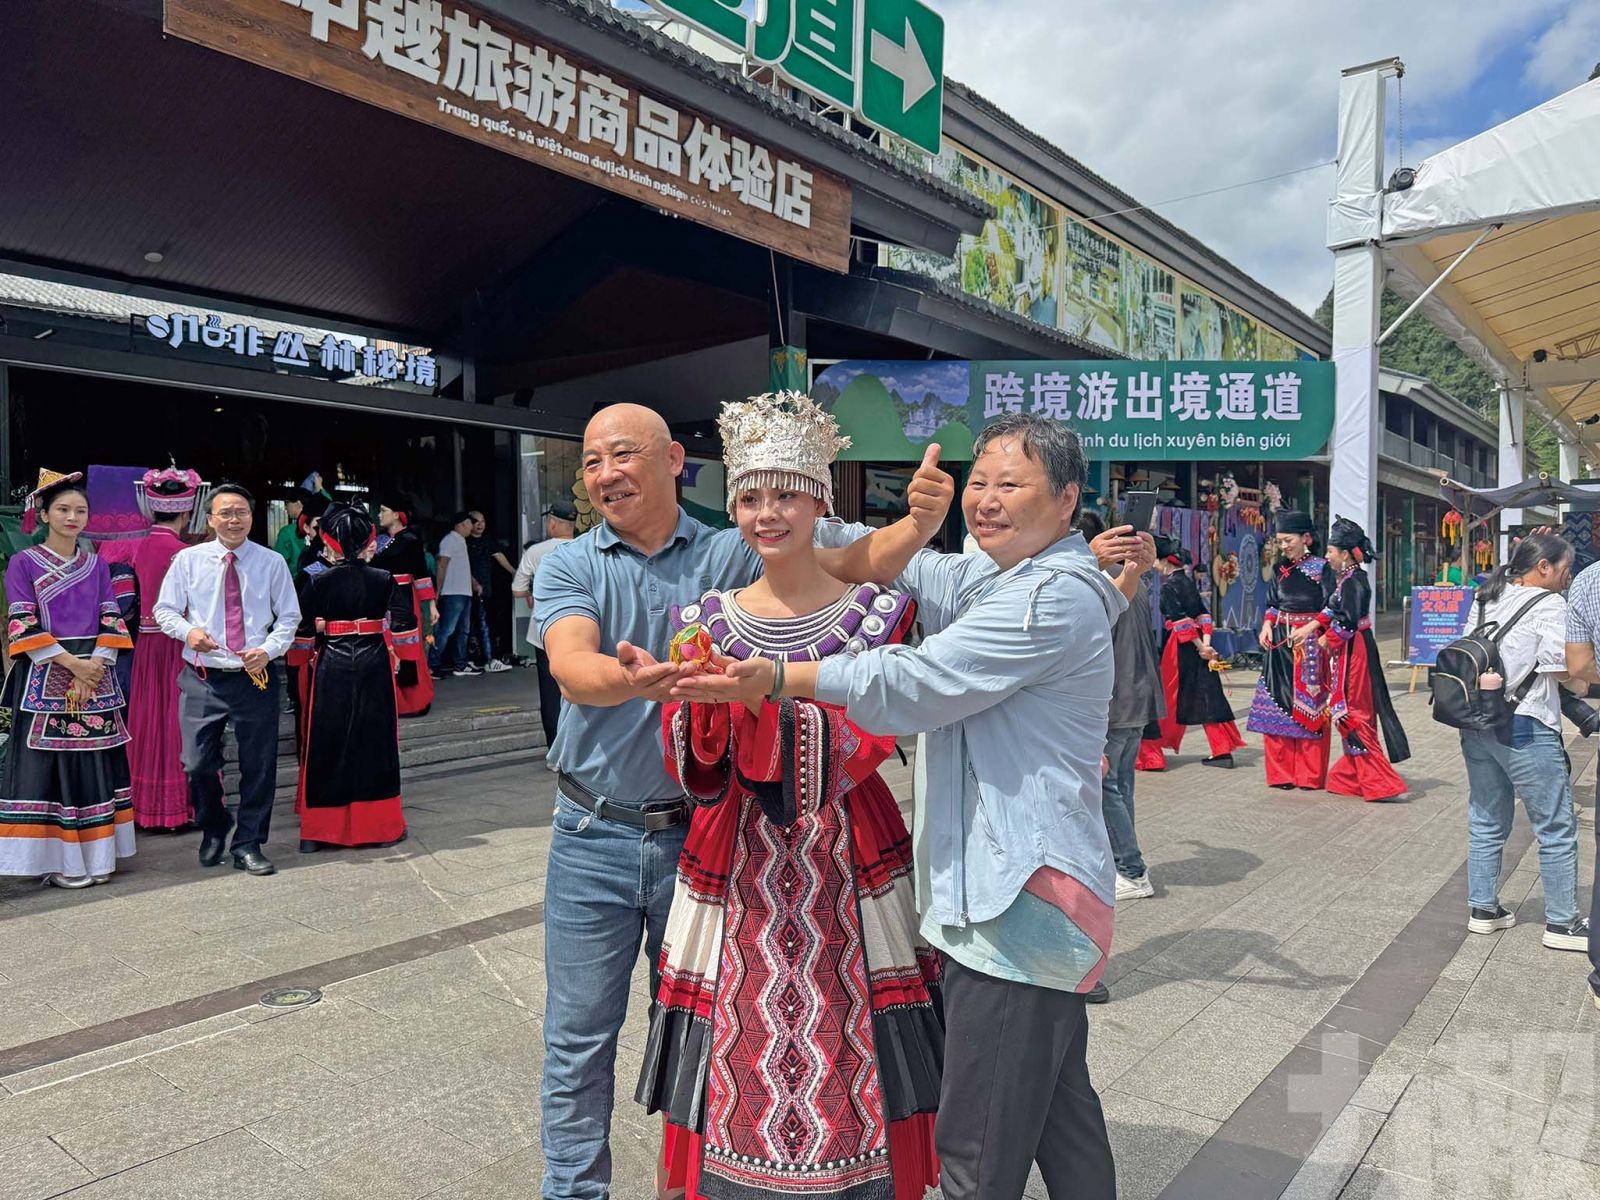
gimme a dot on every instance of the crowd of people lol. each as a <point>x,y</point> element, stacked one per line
<point>131,667</point>
<point>842,1008</point>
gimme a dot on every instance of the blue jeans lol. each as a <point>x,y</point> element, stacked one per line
<point>1531,764</point>
<point>1594,907</point>
<point>607,884</point>
<point>450,634</point>
<point>1116,800</point>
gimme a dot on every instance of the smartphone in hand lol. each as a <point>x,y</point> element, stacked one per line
<point>1138,510</point>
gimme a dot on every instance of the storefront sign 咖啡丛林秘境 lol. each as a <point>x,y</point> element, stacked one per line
<point>1122,410</point>
<point>882,60</point>
<point>450,67</point>
<point>339,357</point>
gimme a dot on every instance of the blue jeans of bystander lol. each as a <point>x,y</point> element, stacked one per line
<point>1532,764</point>
<point>608,885</point>
<point>1116,800</point>
<point>450,634</point>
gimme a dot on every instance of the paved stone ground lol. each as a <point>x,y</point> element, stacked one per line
<point>420,1078</point>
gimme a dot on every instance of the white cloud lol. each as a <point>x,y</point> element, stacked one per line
<point>1166,98</point>
<point>1566,52</point>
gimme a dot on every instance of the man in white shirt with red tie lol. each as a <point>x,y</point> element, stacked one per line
<point>232,603</point>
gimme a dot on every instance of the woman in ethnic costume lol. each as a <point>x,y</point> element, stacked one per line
<point>1360,704</point>
<point>155,758</point>
<point>349,787</point>
<point>65,811</point>
<point>1194,691</point>
<point>796,1043</point>
<point>1290,709</point>
<point>402,553</point>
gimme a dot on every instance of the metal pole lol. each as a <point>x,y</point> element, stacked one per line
<point>1428,291</point>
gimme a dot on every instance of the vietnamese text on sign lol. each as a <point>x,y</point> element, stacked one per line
<point>448,66</point>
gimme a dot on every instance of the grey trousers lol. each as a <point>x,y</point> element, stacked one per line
<point>206,706</point>
<point>1016,1091</point>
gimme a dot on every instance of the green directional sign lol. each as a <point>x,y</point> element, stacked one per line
<point>1122,410</point>
<point>882,60</point>
<point>902,70</point>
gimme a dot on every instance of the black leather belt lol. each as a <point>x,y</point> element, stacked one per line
<point>653,817</point>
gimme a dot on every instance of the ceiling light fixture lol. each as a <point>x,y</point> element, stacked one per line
<point>42,334</point>
<point>153,257</point>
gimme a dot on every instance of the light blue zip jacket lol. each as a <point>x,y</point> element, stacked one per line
<point>1012,684</point>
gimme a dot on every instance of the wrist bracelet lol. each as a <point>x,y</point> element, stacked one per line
<point>776,693</point>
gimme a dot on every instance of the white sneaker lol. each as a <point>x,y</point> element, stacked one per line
<point>495,666</point>
<point>1135,889</point>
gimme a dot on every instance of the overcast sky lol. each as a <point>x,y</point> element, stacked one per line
<point>1166,98</point>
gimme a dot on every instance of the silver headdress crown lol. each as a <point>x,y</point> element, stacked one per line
<point>780,439</point>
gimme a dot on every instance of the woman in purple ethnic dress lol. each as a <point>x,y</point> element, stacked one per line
<point>65,809</point>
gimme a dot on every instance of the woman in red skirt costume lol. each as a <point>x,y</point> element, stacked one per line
<point>1290,710</point>
<point>155,757</point>
<point>796,1043</point>
<point>349,786</point>
<point>402,554</point>
<point>1194,691</point>
<point>1360,703</point>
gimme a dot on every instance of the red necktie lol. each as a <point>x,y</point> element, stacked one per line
<point>232,604</point>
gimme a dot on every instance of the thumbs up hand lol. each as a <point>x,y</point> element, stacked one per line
<point>930,494</point>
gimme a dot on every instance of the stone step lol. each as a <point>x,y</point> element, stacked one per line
<point>427,731</point>
<point>430,751</point>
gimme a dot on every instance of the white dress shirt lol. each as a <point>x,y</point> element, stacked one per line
<point>193,597</point>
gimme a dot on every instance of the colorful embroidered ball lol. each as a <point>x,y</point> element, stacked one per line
<point>693,644</point>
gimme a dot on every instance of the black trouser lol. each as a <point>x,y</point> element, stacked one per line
<point>549,696</point>
<point>206,705</point>
<point>1016,1090</point>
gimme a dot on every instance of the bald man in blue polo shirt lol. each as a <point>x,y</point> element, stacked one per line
<point>620,820</point>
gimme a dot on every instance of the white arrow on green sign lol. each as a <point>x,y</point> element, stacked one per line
<point>881,59</point>
<point>902,77</point>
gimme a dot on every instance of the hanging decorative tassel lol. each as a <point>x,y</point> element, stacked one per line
<point>1450,527</point>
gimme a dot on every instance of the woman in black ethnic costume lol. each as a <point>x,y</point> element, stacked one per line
<point>349,789</point>
<point>1194,691</point>
<point>1360,704</point>
<point>1290,710</point>
<point>402,553</point>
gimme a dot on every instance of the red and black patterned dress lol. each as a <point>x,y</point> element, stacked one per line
<point>1290,710</point>
<point>1360,704</point>
<point>797,1043</point>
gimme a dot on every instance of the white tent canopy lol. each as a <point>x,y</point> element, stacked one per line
<point>1539,166</point>
<point>1498,237</point>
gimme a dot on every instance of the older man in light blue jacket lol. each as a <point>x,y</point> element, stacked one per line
<point>1014,871</point>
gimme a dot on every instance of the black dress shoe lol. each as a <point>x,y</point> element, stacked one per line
<point>1220,760</point>
<point>211,847</point>
<point>255,862</point>
<point>309,847</point>
<point>1098,994</point>
<point>396,842</point>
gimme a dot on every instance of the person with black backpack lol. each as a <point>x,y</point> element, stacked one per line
<point>1522,613</point>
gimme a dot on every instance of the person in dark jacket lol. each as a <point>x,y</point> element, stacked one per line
<point>1136,701</point>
